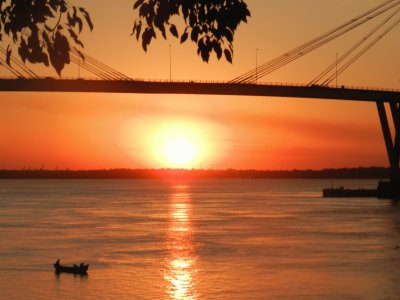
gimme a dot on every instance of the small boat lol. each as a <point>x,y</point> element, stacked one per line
<point>80,270</point>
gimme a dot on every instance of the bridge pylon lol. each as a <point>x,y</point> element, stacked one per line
<point>391,189</point>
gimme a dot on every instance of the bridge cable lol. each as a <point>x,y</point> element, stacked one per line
<point>313,44</point>
<point>361,52</point>
<point>95,62</point>
<point>288,57</point>
<point>22,67</point>
<point>92,66</point>
<point>334,65</point>
<point>92,69</point>
<point>11,70</point>
<point>95,66</point>
<point>281,61</point>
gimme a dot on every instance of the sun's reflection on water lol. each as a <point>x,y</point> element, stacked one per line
<point>180,270</point>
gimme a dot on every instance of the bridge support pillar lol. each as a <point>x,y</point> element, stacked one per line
<point>391,189</point>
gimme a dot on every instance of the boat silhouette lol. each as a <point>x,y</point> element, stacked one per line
<point>81,269</point>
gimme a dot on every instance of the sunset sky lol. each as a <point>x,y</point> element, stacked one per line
<point>91,131</point>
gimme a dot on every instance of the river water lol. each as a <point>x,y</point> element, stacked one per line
<point>196,239</point>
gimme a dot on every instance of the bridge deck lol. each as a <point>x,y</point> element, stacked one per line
<point>152,87</point>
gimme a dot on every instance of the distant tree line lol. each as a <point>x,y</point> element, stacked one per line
<point>345,173</point>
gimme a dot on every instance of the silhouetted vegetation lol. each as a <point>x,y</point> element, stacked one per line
<point>44,31</point>
<point>47,31</point>
<point>211,24</point>
<point>355,173</point>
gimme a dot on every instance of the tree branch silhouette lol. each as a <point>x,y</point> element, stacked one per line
<point>47,31</point>
<point>211,24</point>
<point>44,31</point>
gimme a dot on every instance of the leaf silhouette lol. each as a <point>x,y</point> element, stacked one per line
<point>228,55</point>
<point>8,55</point>
<point>87,18</point>
<point>173,30</point>
<point>138,3</point>
<point>43,30</point>
<point>184,37</point>
<point>147,35</point>
<point>215,21</point>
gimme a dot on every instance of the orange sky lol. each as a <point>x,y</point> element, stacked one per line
<point>114,131</point>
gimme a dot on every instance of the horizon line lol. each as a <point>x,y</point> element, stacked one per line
<point>193,169</point>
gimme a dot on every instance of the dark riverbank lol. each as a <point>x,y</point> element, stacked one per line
<point>344,173</point>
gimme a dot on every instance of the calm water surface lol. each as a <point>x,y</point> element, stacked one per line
<point>204,239</point>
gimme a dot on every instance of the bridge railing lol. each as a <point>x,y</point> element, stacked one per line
<point>196,81</point>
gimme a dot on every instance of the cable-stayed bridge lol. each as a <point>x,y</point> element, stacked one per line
<point>199,88</point>
<point>109,80</point>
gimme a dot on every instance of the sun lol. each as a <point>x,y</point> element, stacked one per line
<point>179,151</point>
<point>177,144</point>
<point>156,141</point>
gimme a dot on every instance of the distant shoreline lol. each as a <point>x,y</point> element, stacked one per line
<point>342,173</point>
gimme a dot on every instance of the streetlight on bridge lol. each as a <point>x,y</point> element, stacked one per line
<point>170,64</point>
<point>256,64</point>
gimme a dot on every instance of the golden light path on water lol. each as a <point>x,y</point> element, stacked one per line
<point>180,269</point>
